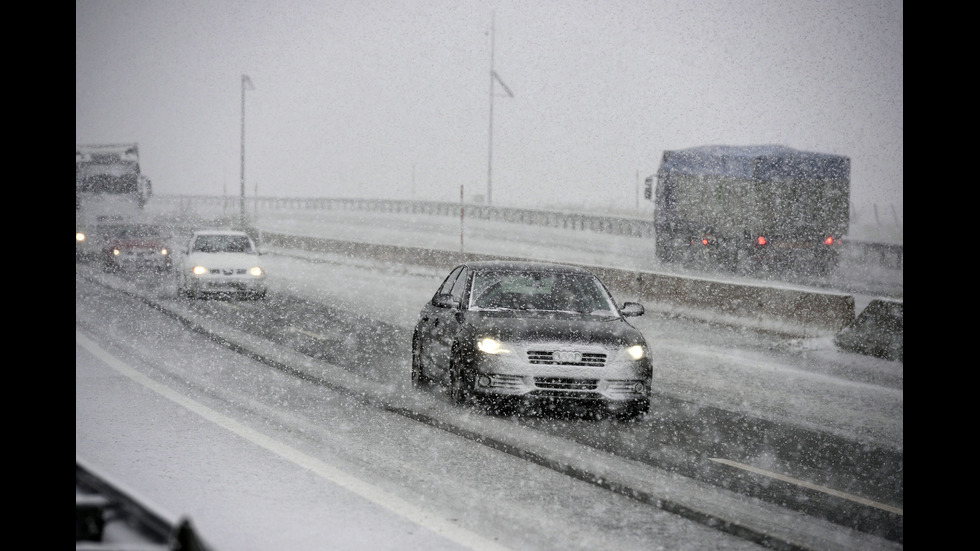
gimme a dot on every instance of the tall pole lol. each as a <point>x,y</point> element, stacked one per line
<point>241,201</point>
<point>490,146</point>
<point>493,77</point>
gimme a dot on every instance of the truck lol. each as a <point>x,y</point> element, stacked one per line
<point>751,209</point>
<point>110,189</point>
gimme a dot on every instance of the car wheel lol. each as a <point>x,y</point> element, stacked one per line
<point>184,292</point>
<point>419,379</point>
<point>457,381</point>
<point>634,411</point>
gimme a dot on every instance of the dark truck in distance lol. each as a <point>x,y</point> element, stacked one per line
<point>750,209</point>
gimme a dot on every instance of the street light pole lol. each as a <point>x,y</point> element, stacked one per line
<point>493,77</point>
<point>490,146</point>
<point>241,202</point>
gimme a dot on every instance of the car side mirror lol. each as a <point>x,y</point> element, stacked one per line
<point>631,309</point>
<point>444,301</point>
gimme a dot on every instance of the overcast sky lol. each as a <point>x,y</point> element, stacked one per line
<point>391,99</point>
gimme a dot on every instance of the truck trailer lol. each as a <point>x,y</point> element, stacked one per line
<point>751,209</point>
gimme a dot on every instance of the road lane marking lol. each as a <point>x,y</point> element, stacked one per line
<point>805,484</point>
<point>411,512</point>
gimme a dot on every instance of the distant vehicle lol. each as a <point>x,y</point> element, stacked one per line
<point>506,334</point>
<point>110,188</point>
<point>221,262</point>
<point>136,247</point>
<point>754,208</point>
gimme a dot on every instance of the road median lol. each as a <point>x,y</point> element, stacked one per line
<point>792,311</point>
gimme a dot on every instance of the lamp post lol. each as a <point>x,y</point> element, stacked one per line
<point>246,82</point>
<point>493,77</point>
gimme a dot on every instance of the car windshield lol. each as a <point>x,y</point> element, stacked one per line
<point>547,291</point>
<point>222,244</point>
<point>132,231</point>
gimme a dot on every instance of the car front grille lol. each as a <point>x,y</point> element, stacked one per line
<point>228,271</point>
<point>564,383</point>
<point>567,388</point>
<point>545,357</point>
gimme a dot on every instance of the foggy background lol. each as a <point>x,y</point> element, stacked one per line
<point>391,99</point>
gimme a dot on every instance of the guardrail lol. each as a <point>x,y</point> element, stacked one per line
<point>889,255</point>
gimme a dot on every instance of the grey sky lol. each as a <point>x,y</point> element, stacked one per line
<point>390,99</point>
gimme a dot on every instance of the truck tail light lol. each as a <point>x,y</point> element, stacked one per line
<point>829,240</point>
<point>761,240</point>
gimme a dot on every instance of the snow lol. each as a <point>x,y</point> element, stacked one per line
<point>806,381</point>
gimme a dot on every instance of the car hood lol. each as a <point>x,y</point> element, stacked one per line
<point>552,326</point>
<point>244,260</point>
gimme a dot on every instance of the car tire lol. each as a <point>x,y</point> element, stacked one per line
<point>634,411</point>
<point>419,380</point>
<point>457,382</point>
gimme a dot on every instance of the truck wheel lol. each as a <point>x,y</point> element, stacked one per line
<point>664,252</point>
<point>730,260</point>
<point>745,263</point>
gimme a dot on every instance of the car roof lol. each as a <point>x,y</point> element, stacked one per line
<point>129,225</point>
<point>525,266</point>
<point>138,227</point>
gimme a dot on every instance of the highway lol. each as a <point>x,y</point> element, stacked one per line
<point>759,415</point>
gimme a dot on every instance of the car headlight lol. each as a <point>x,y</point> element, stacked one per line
<point>491,346</point>
<point>164,252</point>
<point>255,271</point>
<point>79,237</point>
<point>199,270</point>
<point>636,351</point>
<point>115,252</point>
